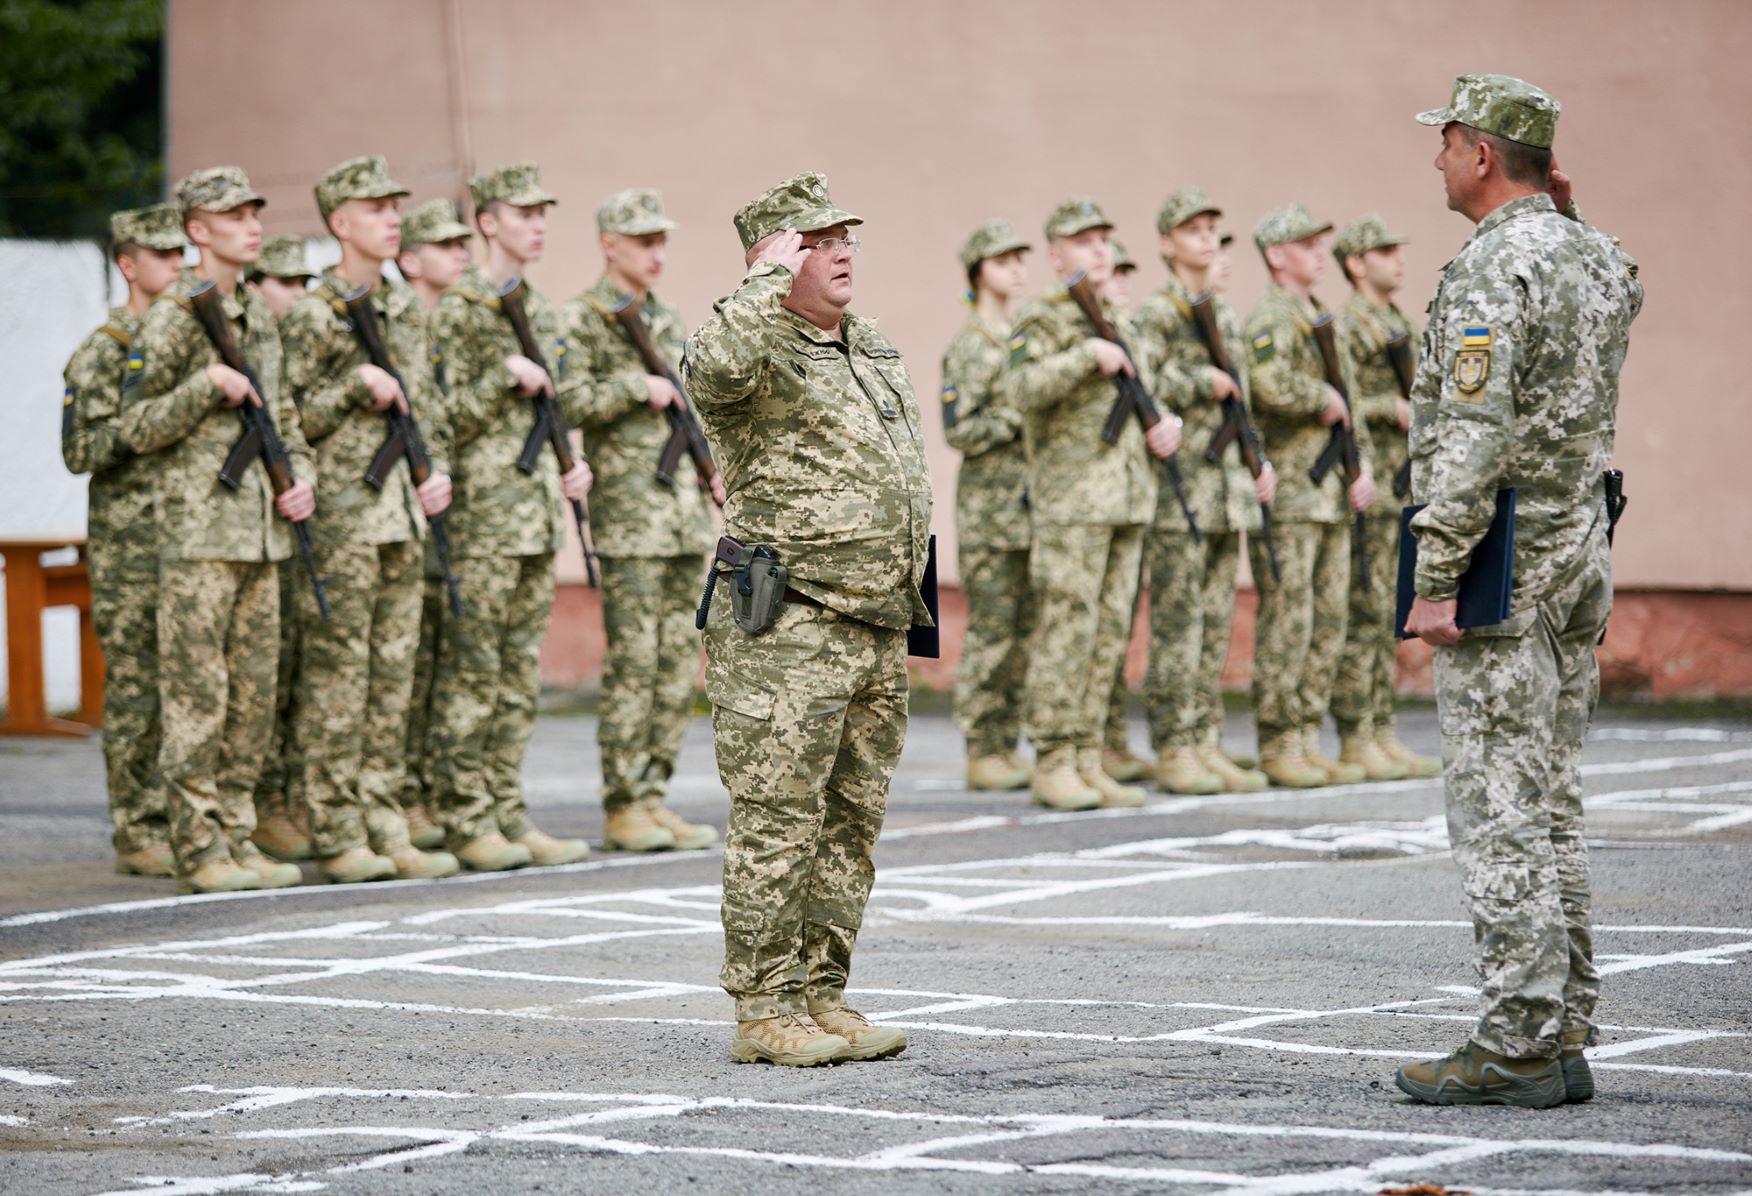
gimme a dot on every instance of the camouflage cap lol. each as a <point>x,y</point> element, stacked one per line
<point>992,238</point>
<point>800,203</point>
<point>356,178</point>
<point>636,212</point>
<point>432,223</point>
<point>1291,223</point>
<point>1363,234</point>
<point>518,184</point>
<point>282,257</point>
<point>1075,215</point>
<point>1182,206</point>
<point>216,189</point>
<point>1122,260</point>
<point>1500,105</point>
<point>156,227</point>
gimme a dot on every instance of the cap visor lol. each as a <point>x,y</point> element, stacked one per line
<point>1436,116</point>
<point>821,218</point>
<point>530,199</point>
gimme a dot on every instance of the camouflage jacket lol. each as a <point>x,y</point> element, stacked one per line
<point>323,357</point>
<point>173,413</point>
<point>1175,365</point>
<point>1363,330</point>
<point>1289,394</point>
<point>632,513</point>
<point>496,509</point>
<point>991,488</point>
<point>821,449</point>
<point>1518,386</point>
<point>1074,476</point>
<point>121,534</point>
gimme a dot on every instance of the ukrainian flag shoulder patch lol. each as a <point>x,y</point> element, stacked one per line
<point>1263,347</point>
<point>1477,337</point>
<point>1018,349</point>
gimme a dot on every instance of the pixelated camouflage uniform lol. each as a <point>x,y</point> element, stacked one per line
<point>652,540</point>
<point>823,457</point>
<point>1518,386</point>
<point>356,670</point>
<point>992,531</point>
<point>122,551</point>
<point>283,763</point>
<point>219,604</point>
<point>1362,690</point>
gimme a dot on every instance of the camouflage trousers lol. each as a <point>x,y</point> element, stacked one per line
<point>282,763</point>
<point>1192,610</point>
<point>419,777</point>
<point>1515,702</point>
<point>651,657</point>
<point>1362,692</point>
<point>354,676</point>
<point>489,676</point>
<point>1300,628</point>
<point>1085,581</point>
<point>808,718</point>
<point>124,613</point>
<point>218,624</point>
<point>994,648</point>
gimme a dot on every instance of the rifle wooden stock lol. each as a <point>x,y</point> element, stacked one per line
<point>1343,443</point>
<point>259,437</point>
<point>1237,424</point>
<point>550,421</point>
<point>1133,399</point>
<point>404,439</point>
<point>685,434</point>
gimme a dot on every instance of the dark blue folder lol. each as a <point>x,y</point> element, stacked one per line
<point>921,640</point>
<point>1489,579</point>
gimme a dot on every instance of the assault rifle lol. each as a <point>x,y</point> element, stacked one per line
<point>1237,424</point>
<point>685,433</point>
<point>260,440</point>
<point>1341,449</point>
<point>1133,398</point>
<point>550,427</point>
<point>1399,355</point>
<point>404,439</point>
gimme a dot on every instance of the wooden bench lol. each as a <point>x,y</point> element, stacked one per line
<point>31,588</point>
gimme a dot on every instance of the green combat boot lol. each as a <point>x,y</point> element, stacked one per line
<point>789,1040</point>
<point>867,1041</point>
<point>1578,1077</point>
<point>1473,1075</point>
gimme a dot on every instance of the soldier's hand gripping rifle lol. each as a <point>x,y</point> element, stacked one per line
<point>1399,356</point>
<point>1341,449</point>
<point>404,439</point>
<point>550,426</point>
<point>260,440</point>
<point>1237,424</point>
<point>685,433</point>
<point>1133,399</point>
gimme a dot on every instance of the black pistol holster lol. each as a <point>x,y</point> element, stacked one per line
<point>757,589</point>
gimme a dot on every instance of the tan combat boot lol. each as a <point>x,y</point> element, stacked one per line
<point>1417,765</point>
<point>278,834</point>
<point>1114,796</point>
<point>1183,770</point>
<point>547,851</point>
<point>789,1040</point>
<point>689,836</point>
<point>221,874</point>
<point>1057,786</point>
<point>1365,753</point>
<point>632,828</point>
<point>413,864</point>
<point>491,852</point>
<point>1235,778</point>
<point>995,773</point>
<point>422,831</point>
<point>867,1041</point>
<point>154,859</point>
<point>354,866</point>
<point>1121,765</point>
<point>273,873</point>
<point>1282,762</point>
<point>1336,773</point>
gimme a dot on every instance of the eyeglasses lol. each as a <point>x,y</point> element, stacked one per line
<point>830,245</point>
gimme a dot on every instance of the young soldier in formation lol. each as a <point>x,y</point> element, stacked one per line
<point>434,253</point>
<point>1300,631</point>
<point>1362,694</point>
<point>505,527</point>
<point>1192,584</point>
<point>219,602</point>
<point>991,512</point>
<point>1518,387</point>
<point>1090,502</point>
<point>652,537</point>
<point>280,274</point>
<point>824,457</point>
<point>147,244</point>
<point>356,667</point>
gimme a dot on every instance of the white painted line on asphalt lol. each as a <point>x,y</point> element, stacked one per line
<point>30,1079</point>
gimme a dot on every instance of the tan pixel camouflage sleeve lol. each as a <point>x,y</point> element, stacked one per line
<point>974,421</point>
<point>323,396</point>
<point>727,356</point>
<point>1278,386</point>
<point>91,438</point>
<point>602,398</point>
<point>476,385</point>
<point>1037,376</point>
<point>173,396</point>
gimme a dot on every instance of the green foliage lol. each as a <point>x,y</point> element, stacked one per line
<point>83,130</point>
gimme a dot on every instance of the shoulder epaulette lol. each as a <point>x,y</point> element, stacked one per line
<point>490,302</point>
<point>323,291</point>
<point>121,336</point>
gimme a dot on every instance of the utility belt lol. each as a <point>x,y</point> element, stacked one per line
<point>758,585</point>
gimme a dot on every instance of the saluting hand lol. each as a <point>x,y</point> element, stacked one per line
<point>381,385</point>
<point>783,248</point>
<point>1559,187</point>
